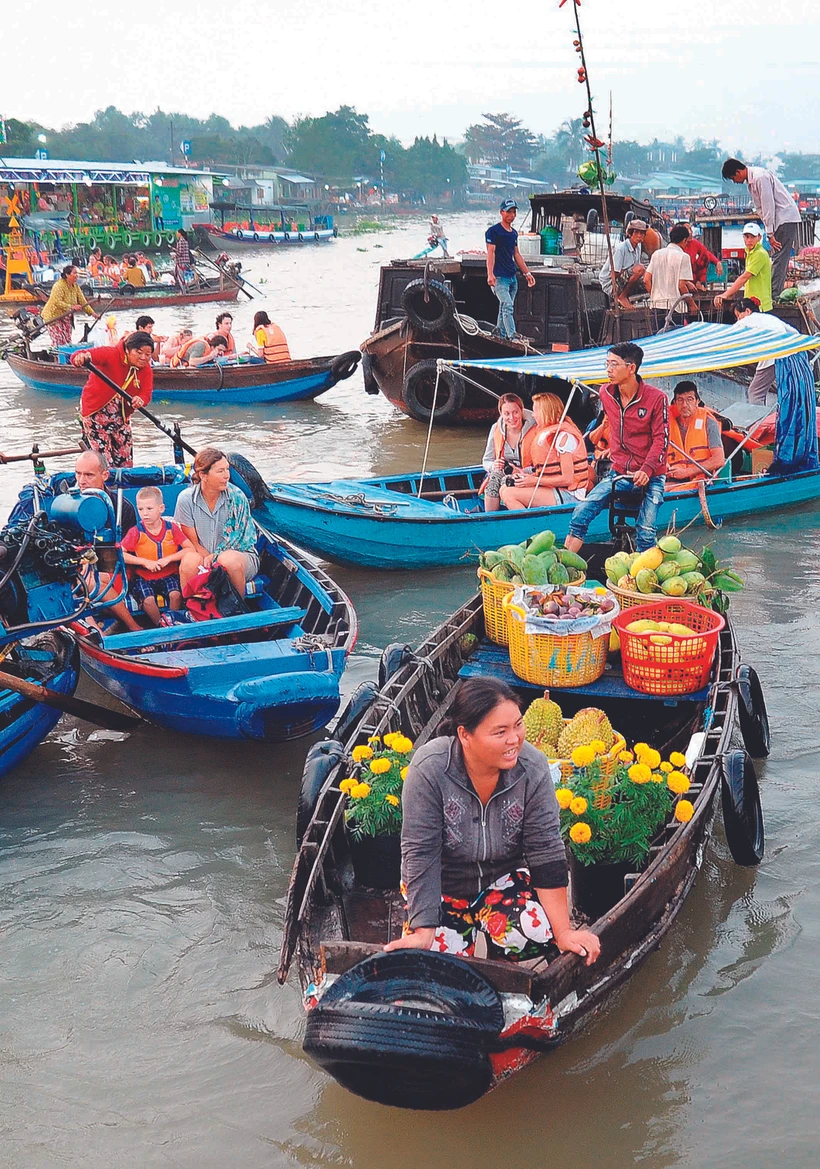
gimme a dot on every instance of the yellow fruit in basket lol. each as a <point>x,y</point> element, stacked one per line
<point>681,630</point>
<point>643,625</point>
<point>627,584</point>
<point>614,642</point>
<point>660,639</point>
<point>652,559</point>
<point>674,586</point>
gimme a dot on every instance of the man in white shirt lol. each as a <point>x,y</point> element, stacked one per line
<point>629,267</point>
<point>669,275</point>
<point>776,207</point>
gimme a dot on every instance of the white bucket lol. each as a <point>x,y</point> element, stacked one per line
<point>529,244</point>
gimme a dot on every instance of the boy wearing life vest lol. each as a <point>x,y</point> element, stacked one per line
<point>695,443</point>
<point>154,548</point>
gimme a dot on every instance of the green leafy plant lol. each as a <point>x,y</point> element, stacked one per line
<point>373,788</point>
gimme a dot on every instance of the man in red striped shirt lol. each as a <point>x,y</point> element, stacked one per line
<point>700,257</point>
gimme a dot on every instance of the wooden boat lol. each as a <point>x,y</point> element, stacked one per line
<point>49,659</point>
<point>333,927</point>
<point>263,236</point>
<point>210,291</point>
<point>422,521</point>
<point>272,673</point>
<point>221,384</point>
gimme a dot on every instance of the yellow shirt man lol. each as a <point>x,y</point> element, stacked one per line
<point>759,264</point>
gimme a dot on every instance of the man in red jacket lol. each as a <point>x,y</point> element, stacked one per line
<point>639,437</point>
<point>701,258</point>
<point>106,417</point>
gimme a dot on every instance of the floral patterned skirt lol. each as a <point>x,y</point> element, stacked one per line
<point>508,912</point>
<point>60,331</point>
<point>108,431</point>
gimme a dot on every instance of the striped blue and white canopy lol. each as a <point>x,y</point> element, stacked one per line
<point>697,348</point>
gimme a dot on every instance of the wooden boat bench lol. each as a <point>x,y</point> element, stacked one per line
<point>219,627</point>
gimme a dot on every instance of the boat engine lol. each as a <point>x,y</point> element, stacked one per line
<point>39,572</point>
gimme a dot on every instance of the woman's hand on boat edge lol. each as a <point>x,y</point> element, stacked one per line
<point>582,942</point>
<point>419,939</point>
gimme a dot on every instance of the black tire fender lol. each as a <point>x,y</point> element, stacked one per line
<point>248,479</point>
<point>419,388</point>
<point>394,656</point>
<point>592,219</point>
<point>742,812</point>
<point>344,364</point>
<point>363,696</point>
<point>752,714</point>
<point>371,386</point>
<point>321,761</point>
<point>630,215</point>
<point>428,305</point>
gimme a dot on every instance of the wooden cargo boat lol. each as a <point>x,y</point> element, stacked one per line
<point>51,660</point>
<point>210,291</point>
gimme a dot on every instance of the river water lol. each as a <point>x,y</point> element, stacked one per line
<point>142,879</point>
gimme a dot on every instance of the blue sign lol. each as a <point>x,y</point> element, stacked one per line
<point>41,154</point>
<point>185,147</point>
<point>382,156</point>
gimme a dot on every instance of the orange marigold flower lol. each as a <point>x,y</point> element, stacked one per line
<point>578,806</point>
<point>580,833</point>
<point>684,811</point>
<point>391,799</point>
<point>361,753</point>
<point>640,773</point>
<point>380,766</point>
<point>360,791</point>
<point>677,759</point>
<point>678,783</point>
<point>564,796</point>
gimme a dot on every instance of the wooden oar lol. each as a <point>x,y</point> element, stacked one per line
<point>110,719</point>
<point>34,455</point>
<point>240,284</point>
<point>166,430</point>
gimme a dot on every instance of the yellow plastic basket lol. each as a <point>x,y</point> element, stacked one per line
<point>608,763</point>
<point>493,593</point>
<point>546,660</point>
<point>628,600</point>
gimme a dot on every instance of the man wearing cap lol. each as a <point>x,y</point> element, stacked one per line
<point>776,207</point>
<point>756,280</point>
<point>503,258</point>
<point>629,267</point>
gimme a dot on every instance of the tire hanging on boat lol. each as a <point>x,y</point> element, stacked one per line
<point>752,714</point>
<point>420,387</point>
<point>363,696</point>
<point>409,1028</point>
<point>322,759</point>
<point>344,364</point>
<point>257,487</point>
<point>394,656</point>
<point>428,305</point>
<point>742,812</point>
<point>371,386</point>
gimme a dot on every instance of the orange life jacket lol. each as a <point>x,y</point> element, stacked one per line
<point>545,438</point>
<point>275,347</point>
<point>182,352</point>
<point>150,547</point>
<point>525,445</point>
<point>696,442</point>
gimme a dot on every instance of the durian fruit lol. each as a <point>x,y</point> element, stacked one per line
<point>587,725</point>
<point>543,722</point>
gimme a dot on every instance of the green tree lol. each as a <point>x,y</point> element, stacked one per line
<point>335,145</point>
<point>432,168</point>
<point>500,140</point>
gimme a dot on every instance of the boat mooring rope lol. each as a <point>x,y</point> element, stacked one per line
<point>429,428</point>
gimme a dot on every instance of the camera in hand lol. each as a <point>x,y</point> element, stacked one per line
<point>509,481</point>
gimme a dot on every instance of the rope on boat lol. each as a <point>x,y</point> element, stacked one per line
<point>430,427</point>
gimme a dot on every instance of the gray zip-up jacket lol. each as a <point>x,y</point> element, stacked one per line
<point>452,843</point>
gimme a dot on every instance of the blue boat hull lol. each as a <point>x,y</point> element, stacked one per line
<point>24,724</point>
<point>420,533</point>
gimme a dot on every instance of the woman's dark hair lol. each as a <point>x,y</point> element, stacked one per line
<point>510,400</point>
<point>143,321</point>
<point>139,340</point>
<point>629,352</point>
<point>96,251</point>
<point>208,457</point>
<point>474,700</point>
<point>181,231</point>
<point>69,268</point>
<point>747,304</point>
<point>731,166</point>
<point>261,318</point>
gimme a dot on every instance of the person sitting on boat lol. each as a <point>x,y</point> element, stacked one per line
<point>64,300</point>
<point>748,315</point>
<point>756,278</point>
<point>627,258</point>
<point>96,267</point>
<point>133,275</point>
<point>668,275</point>
<point>560,466</point>
<point>271,344</point>
<point>700,258</point>
<point>170,349</point>
<point>694,432</point>
<point>147,265</point>
<point>638,437</point>
<point>224,327</point>
<point>153,547</point>
<point>508,447</point>
<point>91,474</point>
<point>216,517</point>
<point>106,417</point>
<point>200,351</point>
<point>113,270</point>
<point>480,844</point>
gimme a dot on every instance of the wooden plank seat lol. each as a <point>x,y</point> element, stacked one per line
<point>197,630</point>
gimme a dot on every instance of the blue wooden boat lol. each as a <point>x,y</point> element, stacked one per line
<point>52,660</point>
<point>272,673</point>
<point>243,384</point>
<point>425,521</point>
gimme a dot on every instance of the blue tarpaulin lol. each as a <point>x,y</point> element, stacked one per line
<point>795,446</point>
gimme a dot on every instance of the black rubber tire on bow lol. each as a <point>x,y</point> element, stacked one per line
<point>255,486</point>
<point>630,215</point>
<point>363,696</point>
<point>371,386</point>
<point>409,1028</point>
<point>344,364</point>
<point>419,389</point>
<point>393,658</point>
<point>752,714</point>
<point>429,307</point>
<point>322,759</point>
<point>592,219</point>
<point>742,812</point>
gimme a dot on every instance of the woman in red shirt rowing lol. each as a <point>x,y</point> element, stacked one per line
<point>106,417</point>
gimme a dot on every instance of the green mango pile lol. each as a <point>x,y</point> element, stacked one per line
<point>534,562</point>
<point>673,570</point>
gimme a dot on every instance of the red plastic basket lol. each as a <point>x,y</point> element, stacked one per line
<point>675,664</point>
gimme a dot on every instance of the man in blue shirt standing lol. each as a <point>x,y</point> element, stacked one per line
<point>503,257</point>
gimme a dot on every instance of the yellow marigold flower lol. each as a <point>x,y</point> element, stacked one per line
<point>348,784</point>
<point>677,759</point>
<point>667,767</point>
<point>580,833</point>
<point>583,756</point>
<point>651,758</point>
<point>564,796</point>
<point>403,773</point>
<point>391,799</point>
<point>360,753</point>
<point>380,766</point>
<point>640,773</point>
<point>684,811</point>
<point>402,744</point>
<point>626,756</point>
<point>388,738</point>
<point>658,777</point>
<point>640,748</point>
<point>360,791</point>
<point>678,783</point>
<point>578,806</point>
<point>598,746</point>
<point>374,739</point>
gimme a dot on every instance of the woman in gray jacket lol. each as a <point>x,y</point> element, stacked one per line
<point>481,847</point>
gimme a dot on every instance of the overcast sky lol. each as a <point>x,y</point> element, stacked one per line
<point>741,71</point>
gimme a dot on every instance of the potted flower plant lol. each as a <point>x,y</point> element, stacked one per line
<point>373,811</point>
<point>609,833</point>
